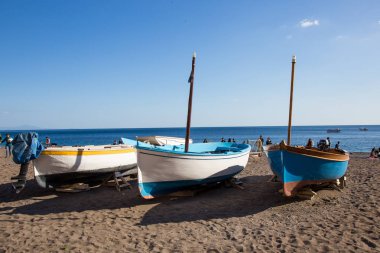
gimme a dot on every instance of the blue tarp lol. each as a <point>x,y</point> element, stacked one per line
<point>26,147</point>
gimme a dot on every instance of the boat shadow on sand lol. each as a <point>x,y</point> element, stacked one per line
<point>219,202</point>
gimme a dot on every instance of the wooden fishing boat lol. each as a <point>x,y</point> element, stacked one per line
<point>65,165</point>
<point>167,169</point>
<point>297,166</point>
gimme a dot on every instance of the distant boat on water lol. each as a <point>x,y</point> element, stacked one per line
<point>58,166</point>
<point>335,130</point>
<point>297,166</point>
<point>363,129</point>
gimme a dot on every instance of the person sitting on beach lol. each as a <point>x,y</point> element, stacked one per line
<point>309,143</point>
<point>269,141</point>
<point>373,153</point>
<point>205,141</point>
<point>222,140</point>
<point>337,145</point>
<point>229,140</point>
<point>233,140</point>
<point>114,142</point>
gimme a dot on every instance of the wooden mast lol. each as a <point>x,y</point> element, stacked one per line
<point>291,100</point>
<point>189,107</point>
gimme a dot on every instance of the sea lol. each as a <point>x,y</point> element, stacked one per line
<point>350,137</point>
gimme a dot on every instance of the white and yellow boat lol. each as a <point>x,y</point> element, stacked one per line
<point>64,165</point>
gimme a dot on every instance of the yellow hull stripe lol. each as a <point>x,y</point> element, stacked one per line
<point>87,152</point>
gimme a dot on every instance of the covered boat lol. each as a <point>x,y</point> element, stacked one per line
<point>297,166</point>
<point>166,169</point>
<point>64,165</point>
<point>163,140</point>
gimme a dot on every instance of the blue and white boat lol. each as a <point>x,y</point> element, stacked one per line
<point>167,169</point>
<point>298,166</point>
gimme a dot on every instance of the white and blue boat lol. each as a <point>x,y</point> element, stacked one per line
<point>167,169</point>
<point>298,166</point>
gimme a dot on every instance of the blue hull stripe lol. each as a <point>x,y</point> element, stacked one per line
<point>155,189</point>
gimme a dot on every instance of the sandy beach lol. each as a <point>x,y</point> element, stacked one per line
<point>254,219</point>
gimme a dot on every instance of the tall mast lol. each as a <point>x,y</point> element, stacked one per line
<point>189,107</point>
<point>291,100</point>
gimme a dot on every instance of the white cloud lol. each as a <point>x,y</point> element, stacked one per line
<point>340,37</point>
<point>308,23</point>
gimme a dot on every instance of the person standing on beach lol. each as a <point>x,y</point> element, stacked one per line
<point>261,138</point>
<point>8,145</point>
<point>1,138</point>
<point>269,141</point>
<point>47,142</point>
<point>259,145</point>
<point>328,142</point>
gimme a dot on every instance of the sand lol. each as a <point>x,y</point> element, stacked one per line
<point>254,219</point>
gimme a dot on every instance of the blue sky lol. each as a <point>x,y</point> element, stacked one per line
<point>111,64</point>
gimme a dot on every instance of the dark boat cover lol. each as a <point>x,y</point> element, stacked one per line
<point>26,147</point>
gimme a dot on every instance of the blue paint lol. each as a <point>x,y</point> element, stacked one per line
<point>199,149</point>
<point>290,167</point>
<point>276,164</point>
<point>156,189</point>
<point>300,168</point>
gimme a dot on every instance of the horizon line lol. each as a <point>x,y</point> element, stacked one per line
<point>173,127</point>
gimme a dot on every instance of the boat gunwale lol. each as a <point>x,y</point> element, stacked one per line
<point>182,153</point>
<point>192,157</point>
<point>47,152</point>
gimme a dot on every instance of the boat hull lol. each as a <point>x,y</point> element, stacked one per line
<point>93,164</point>
<point>161,173</point>
<point>297,167</point>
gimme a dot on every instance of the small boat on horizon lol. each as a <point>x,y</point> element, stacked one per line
<point>65,165</point>
<point>335,130</point>
<point>298,166</point>
<point>363,129</point>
